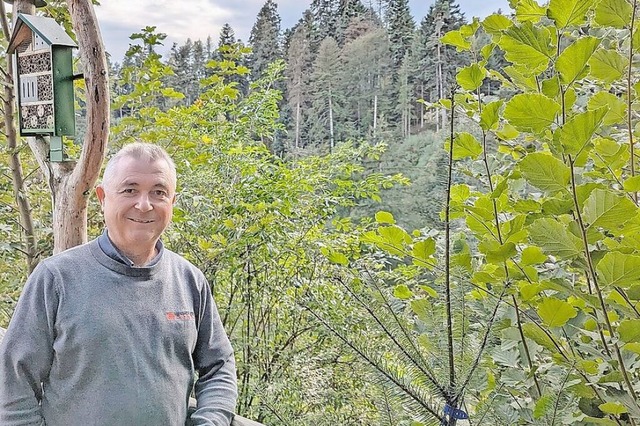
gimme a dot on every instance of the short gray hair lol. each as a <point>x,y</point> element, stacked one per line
<point>139,151</point>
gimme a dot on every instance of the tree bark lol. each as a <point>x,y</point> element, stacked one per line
<point>70,182</point>
<point>298,124</point>
<point>331,142</point>
<point>74,184</point>
<point>17,175</point>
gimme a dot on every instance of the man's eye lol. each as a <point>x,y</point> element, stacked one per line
<point>128,191</point>
<point>160,193</point>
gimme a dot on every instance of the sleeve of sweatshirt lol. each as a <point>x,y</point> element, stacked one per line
<point>216,388</point>
<point>26,352</point>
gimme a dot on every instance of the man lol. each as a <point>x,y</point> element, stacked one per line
<point>113,332</point>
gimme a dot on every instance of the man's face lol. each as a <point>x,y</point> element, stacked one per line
<point>137,202</point>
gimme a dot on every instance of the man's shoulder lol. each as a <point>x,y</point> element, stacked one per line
<point>179,261</point>
<point>71,255</point>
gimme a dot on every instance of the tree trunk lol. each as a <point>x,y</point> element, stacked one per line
<point>17,175</point>
<point>71,183</point>
<point>375,115</point>
<point>298,124</point>
<point>331,136</point>
<point>422,112</point>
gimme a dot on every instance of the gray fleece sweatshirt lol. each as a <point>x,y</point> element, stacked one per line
<point>96,342</point>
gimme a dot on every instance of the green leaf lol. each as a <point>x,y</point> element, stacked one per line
<point>614,408</point>
<point>490,115</point>
<point>607,210</point>
<point>455,38</point>
<point>431,292</point>
<point>385,217</point>
<point>528,46</point>
<point>487,51</point>
<point>520,76</point>
<point>529,10</point>
<point>577,132</point>
<point>569,12</point>
<point>617,108</point>
<point>629,330</point>
<point>532,255</point>
<point>632,184</point>
<point>535,333</point>
<point>422,308</point>
<point>545,172</point>
<point>636,40</point>
<point>527,206</point>
<point>634,292</point>
<point>422,252</point>
<point>542,406</point>
<point>507,132</point>
<point>496,23</point>
<point>393,239</point>
<point>619,269</point>
<point>531,112</point>
<point>613,13</point>
<point>551,87</point>
<point>588,366</point>
<point>557,206</point>
<point>507,358</point>
<point>572,62</point>
<point>500,188</point>
<point>555,239</point>
<point>469,30</point>
<point>632,347</point>
<point>607,65</point>
<point>555,312</point>
<point>402,292</point>
<point>471,77</point>
<point>466,145</point>
<point>460,192</point>
<point>335,257</point>
<point>496,252</point>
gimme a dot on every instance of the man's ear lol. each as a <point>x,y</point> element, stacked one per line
<point>100,194</point>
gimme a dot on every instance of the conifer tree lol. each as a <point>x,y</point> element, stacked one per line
<point>181,63</point>
<point>401,28</point>
<point>199,61</point>
<point>228,48</point>
<point>324,21</point>
<point>326,95</point>
<point>365,75</point>
<point>264,39</point>
<point>347,11</point>
<point>404,105</point>
<point>227,36</point>
<point>437,63</point>
<point>297,74</point>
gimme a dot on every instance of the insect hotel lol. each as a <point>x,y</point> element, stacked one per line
<point>44,81</point>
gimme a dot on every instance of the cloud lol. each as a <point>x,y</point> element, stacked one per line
<point>120,18</point>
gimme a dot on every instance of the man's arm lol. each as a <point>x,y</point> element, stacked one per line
<point>26,352</point>
<point>216,388</point>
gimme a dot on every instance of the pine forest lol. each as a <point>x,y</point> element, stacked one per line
<point>405,222</point>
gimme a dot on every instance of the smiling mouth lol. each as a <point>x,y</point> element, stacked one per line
<point>140,220</point>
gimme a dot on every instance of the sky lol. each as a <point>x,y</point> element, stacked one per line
<point>197,19</point>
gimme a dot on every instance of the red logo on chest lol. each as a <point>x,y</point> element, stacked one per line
<point>181,316</point>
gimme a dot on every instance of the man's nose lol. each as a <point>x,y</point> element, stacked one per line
<point>144,203</point>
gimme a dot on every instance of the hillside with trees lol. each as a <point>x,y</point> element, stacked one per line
<point>404,222</point>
